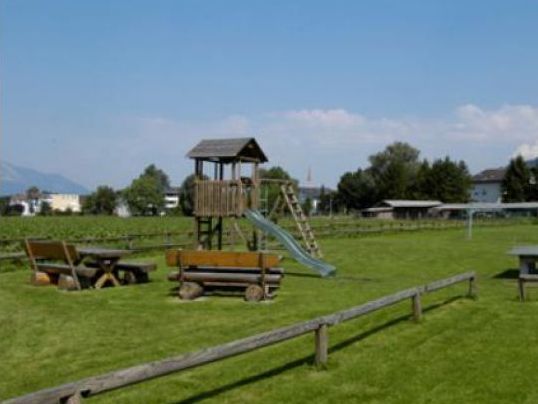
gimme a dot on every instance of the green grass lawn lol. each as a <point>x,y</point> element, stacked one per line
<point>464,350</point>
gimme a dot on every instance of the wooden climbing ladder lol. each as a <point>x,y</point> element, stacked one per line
<point>292,202</point>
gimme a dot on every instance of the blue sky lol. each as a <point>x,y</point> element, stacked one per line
<point>99,89</point>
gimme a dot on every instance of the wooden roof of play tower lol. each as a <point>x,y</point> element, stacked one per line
<point>228,150</point>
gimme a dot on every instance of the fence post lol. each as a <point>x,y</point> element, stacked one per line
<point>322,345</point>
<point>472,287</point>
<point>417,307</point>
<point>521,289</point>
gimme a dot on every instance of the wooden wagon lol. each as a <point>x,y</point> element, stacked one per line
<point>255,274</point>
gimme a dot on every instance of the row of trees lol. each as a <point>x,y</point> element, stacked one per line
<point>144,196</point>
<point>393,173</point>
<point>397,173</point>
<point>520,182</point>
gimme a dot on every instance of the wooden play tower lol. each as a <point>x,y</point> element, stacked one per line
<point>222,188</point>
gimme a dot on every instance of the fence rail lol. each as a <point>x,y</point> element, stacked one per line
<point>75,391</point>
<point>325,230</point>
<point>333,225</point>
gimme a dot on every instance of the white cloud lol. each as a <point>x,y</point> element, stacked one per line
<point>334,140</point>
<point>515,121</point>
<point>527,151</point>
<point>331,141</point>
<point>333,118</point>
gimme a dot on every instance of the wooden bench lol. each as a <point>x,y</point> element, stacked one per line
<point>55,262</point>
<point>523,279</point>
<point>253,273</point>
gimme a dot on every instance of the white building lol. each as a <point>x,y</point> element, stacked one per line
<point>487,185</point>
<point>26,207</point>
<point>62,202</point>
<point>171,198</point>
<point>401,209</point>
<point>57,202</point>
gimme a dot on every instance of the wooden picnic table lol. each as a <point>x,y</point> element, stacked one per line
<point>528,255</point>
<point>106,259</point>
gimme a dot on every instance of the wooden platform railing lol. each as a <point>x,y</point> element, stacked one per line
<point>219,198</point>
<point>75,391</point>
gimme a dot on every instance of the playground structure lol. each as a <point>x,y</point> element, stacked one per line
<point>225,193</point>
<point>219,198</point>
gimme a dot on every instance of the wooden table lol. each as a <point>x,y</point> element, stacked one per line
<point>107,259</point>
<point>528,255</point>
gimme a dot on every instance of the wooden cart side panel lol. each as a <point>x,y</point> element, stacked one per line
<point>187,258</point>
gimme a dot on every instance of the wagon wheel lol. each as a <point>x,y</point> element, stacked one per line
<point>254,293</point>
<point>190,290</point>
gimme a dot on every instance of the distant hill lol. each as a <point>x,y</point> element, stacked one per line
<point>15,179</point>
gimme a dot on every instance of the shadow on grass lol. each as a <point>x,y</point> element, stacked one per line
<point>300,275</point>
<point>507,274</point>
<point>354,279</point>
<point>309,360</point>
<point>330,278</point>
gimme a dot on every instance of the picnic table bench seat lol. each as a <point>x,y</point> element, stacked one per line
<point>135,272</point>
<point>53,268</point>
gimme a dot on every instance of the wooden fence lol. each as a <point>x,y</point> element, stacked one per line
<point>338,228</point>
<point>75,391</point>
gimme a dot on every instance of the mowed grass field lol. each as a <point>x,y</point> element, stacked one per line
<point>464,350</point>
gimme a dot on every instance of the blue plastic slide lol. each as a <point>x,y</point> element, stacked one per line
<point>289,242</point>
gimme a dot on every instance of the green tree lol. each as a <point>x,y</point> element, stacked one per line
<point>445,180</point>
<point>394,171</point>
<point>102,202</point>
<point>533,193</point>
<point>272,189</point>
<point>356,190</point>
<point>45,209</point>
<point>307,206</point>
<point>4,205</point>
<point>186,195</point>
<point>328,201</point>
<point>145,196</point>
<point>323,204</point>
<point>159,175</point>
<point>517,181</point>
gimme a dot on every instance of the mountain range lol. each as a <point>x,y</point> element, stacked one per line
<point>15,179</point>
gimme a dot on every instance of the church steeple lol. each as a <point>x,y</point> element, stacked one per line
<point>309,176</point>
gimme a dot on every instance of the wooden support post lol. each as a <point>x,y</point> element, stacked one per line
<point>322,345</point>
<point>71,264</point>
<point>417,307</point>
<point>521,287</point>
<point>219,233</point>
<point>473,292</point>
<point>31,256</point>
<point>263,273</point>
